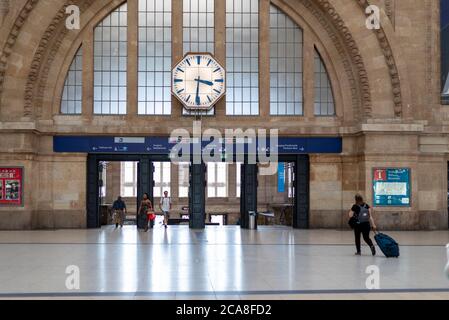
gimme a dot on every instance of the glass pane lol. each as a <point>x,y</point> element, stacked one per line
<point>110,54</point>
<point>154,55</point>
<point>241,30</point>
<point>72,92</point>
<point>324,99</point>
<point>285,64</point>
<point>211,192</point>
<point>210,173</point>
<point>128,192</point>
<point>221,173</point>
<point>166,176</point>
<point>221,192</point>
<point>157,172</point>
<point>198,33</point>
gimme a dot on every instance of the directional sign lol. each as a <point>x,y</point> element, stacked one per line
<point>163,145</point>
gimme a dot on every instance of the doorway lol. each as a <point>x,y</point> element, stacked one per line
<point>283,199</point>
<point>150,167</point>
<point>95,181</point>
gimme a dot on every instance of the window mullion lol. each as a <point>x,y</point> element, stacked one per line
<point>308,75</point>
<point>264,58</point>
<point>132,48</point>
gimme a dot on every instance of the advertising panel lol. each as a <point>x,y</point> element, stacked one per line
<point>11,186</point>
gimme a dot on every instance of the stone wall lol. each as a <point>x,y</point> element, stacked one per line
<point>385,82</point>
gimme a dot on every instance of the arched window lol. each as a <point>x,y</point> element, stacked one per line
<point>72,94</point>
<point>110,63</point>
<point>198,26</point>
<point>154,59</point>
<point>324,98</point>
<point>155,54</point>
<point>242,57</point>
<point>286,45</point>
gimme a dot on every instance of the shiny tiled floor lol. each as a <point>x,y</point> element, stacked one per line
<point>217,263</point>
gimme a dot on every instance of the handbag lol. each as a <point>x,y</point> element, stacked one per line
<point>353,221</point>
<point>151,216</point>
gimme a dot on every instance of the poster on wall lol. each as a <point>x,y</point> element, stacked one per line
<point>11,186</point>
<point>391,187</point>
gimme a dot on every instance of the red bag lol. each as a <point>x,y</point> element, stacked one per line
<point>151,216</point>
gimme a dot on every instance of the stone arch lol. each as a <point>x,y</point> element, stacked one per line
<point>385,38</point>
<point>323,10</point>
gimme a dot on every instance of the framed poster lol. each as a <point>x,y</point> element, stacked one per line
<point>391,187</point>
<point>11,186</point>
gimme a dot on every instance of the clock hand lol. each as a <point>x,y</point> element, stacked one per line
<point>209,83</point>
<point>197,99</point>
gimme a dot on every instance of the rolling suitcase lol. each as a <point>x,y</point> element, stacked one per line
<point>387,245</point>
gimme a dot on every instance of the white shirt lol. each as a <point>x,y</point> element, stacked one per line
<point>165,203</point>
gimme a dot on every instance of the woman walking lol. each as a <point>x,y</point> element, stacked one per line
<point>144,208</point>
<point>362,214</point>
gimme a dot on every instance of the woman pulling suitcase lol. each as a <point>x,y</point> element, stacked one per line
<point>361,220</point>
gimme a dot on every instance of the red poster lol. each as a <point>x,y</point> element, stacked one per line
<point>11,186</point>
<point>380,175</point>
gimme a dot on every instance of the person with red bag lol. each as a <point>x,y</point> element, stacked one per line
<point>145,209</point>
<point>151,217</point>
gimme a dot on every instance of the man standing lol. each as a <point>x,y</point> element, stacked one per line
<point>165,206</point>
<point>119,209</point>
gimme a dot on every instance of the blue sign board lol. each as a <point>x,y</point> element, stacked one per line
<point>163,145</point>
<point>281,177</point>
<point>391,187</point>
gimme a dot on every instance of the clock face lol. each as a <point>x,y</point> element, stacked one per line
<point>198,81</point>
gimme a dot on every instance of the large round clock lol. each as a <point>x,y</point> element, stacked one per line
<point>198,81</point>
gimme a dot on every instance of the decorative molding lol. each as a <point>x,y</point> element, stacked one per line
<point>432,73</point>
<point>44,57</point>
<point>12,38</point>
<point>360,89</point>
<point>391,63</point>
<point>34,74</point>
<point>429,38</point>
<point>4,9</point>
<point>390,10</point>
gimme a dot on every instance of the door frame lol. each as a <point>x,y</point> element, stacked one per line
<point>301,208</point>
<point>145,181</point>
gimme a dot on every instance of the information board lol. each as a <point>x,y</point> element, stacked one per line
<point>391,187</point>
<point>11,186</point>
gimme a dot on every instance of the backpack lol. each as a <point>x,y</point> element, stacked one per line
<point>363,215</point>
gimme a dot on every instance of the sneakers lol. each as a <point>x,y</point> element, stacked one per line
<point>358,253</point>
<point>165,226</point>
